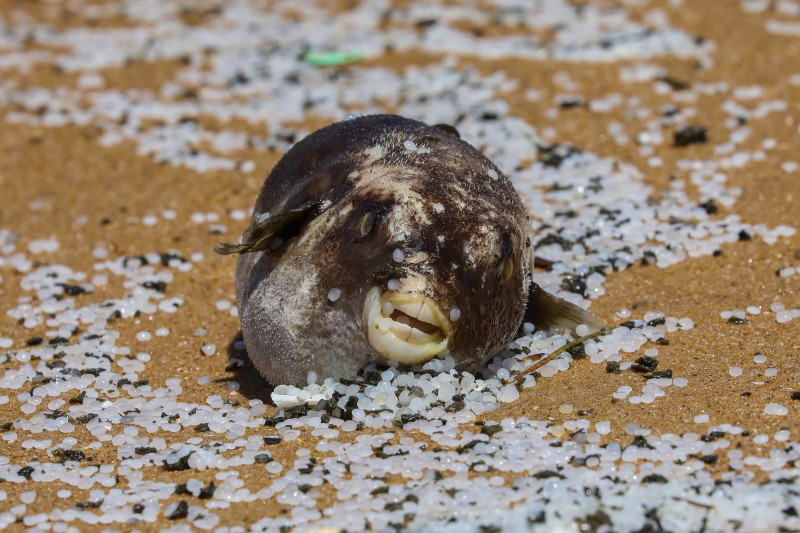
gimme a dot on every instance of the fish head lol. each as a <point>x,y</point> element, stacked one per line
<point>439,271</point>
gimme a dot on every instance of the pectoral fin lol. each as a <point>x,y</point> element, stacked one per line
<point>259,235</point>
<point>549,312</point>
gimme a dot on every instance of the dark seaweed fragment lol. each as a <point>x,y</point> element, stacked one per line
<point>545,474</point>
<point>91,504</point>
<point>538,518</point>
<point>692,134</point>
<point>468,446</point>
<point>710,207</point>
<point>712,436</point>
<point>553,156</point>
<point>455,407</point>
<point>180,511</point>
<point>593,522</point>
<point>68,455</point>
<point>553,238</point>
<point>207,491</point>
<point>179,465</point>
<point>492,429</point>
<point>297,411</point>
<point>645,364</point>
<point>144,450</point>
<point>575,284</point>
<point>675,83</point>
<point>641,442</point>
<point>159,286</point>
<point>578,351</point>
<point>569,102</point>
<point>387,272</point>
<point>659,374</point>
<point>648,258</point>
<point>72,290</point>
<point>271,421</point>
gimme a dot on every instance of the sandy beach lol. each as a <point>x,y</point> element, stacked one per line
<point>136,135</point>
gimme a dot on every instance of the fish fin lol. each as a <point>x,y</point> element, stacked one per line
<point>227,248</point>
<point>549,312</point>
<point>259,235</point>
<point>447,128</point>
<point>541,262</point>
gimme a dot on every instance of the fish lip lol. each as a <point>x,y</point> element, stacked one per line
<point>399,340</point>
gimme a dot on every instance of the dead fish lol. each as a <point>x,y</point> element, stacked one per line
<point>384,239</point>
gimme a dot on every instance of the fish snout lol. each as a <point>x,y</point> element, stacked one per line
<point>407,327</point>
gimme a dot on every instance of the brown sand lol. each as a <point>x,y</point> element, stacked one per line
<point>72,175</point>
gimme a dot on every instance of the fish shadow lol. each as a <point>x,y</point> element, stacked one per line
<point>252,384</point>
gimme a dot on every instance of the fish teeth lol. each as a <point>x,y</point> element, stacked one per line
<point>425,314</point>
<point>396,338</point>
<point>418,337</point>
<point>419,310</point>
<point>400,330</point>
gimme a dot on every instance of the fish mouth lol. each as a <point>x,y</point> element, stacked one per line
<point>406,327</point>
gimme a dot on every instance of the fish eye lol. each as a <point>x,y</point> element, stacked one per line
<point>366,222</point>
<point>506,269</point>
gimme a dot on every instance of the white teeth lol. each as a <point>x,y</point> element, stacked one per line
<point>410,308</point>
<point>400,330</point>
<point>426,315</point>
<point>422,311</point>
<point>418,337</point>
<point>391,318</point>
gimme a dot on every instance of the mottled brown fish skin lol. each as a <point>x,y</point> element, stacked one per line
<point>454,215</point>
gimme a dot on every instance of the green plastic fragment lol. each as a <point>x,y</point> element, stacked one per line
<point>332,59</point>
